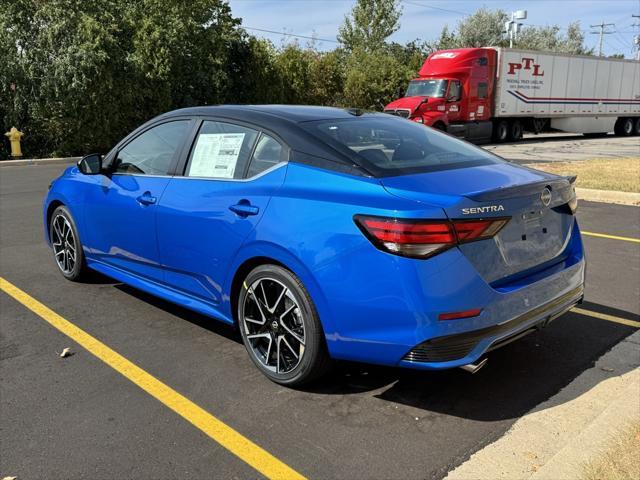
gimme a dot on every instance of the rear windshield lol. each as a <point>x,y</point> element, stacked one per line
<point>387,145</point>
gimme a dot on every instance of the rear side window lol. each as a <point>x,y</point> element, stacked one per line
<point>221,150</point>
<point>152,152</point>
<point>268,152</point>
<point>386,145</point>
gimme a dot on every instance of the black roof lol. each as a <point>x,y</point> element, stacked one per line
<point>293,113</point>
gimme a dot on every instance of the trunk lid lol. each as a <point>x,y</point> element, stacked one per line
<point>537,232</point>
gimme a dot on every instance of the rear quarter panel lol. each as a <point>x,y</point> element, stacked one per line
<point>309,227</point>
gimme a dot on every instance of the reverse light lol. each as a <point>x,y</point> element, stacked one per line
<point>424,238</point>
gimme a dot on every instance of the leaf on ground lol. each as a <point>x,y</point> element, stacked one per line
<point>9,478</point>
<point>606,369</point>
<point>65,353</point>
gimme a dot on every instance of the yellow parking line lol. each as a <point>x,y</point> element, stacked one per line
<point>612,237</point>
<point>608,318</point>
<point>242,447</point>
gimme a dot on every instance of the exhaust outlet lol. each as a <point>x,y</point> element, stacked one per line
<point>474,367</point>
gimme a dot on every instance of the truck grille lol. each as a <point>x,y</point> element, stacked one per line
<point>454,347</point>
<point>400,112</point>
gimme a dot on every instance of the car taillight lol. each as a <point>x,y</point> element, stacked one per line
<point>424,238</point>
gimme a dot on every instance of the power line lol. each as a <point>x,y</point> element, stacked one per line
<point>290,34</point>
<point>415,4</point>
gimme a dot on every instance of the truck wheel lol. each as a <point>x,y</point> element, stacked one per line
<point>515,131</point>
<point>500,131</point>
<point>636,126</point>
<point>440,126</point>
<point>624,127</point>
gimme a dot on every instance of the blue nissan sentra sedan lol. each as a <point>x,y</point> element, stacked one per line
<point>325,233</point>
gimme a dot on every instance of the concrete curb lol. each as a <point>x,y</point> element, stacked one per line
<point>557,437</point>
<point>608,196</point>
<point>39,161</point>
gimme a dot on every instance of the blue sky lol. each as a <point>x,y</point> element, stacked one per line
<point>424,19</point>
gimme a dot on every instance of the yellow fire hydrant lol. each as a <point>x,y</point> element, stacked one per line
<point>14,136</point>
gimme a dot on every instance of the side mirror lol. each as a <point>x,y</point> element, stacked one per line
<point>452,98</point>
<point>91,164</point>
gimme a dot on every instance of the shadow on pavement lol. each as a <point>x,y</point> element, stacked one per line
<point>516,378</point>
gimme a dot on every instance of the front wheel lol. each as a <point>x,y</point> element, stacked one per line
<point>66,246</point>
<point>280,327</point>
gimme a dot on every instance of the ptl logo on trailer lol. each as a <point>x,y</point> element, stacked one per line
<point>526,64</point>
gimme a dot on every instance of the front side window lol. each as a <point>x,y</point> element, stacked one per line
<point>152,152</point>
<point>387,145</point>
<point>221,151</point>
<point>427,88</point>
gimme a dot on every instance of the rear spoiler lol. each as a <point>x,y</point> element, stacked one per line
<point>559,184</point>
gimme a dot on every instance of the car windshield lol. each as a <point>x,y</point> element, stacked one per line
<point>386,145</point>
<point>427,88</point>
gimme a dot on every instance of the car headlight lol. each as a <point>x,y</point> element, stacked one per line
<point>418,119</point>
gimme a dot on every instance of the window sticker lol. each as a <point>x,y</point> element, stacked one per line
<point>216,155</point>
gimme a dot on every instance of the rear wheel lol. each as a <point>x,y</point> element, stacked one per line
<point>636,126</point>
<point>624,127</point>
<point>280,327</point>
<point>66,246</point>
<point>515,130</point>
<point>500,131</point>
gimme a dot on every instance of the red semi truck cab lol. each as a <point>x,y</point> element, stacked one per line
<point>453,92</point>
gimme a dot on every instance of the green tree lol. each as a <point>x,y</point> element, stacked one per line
<point>373,79</point>
<point>88,71</point>
<point>484,29</point>
<point>550,39</point>
<point>370,23</point>
<point>327,78</point>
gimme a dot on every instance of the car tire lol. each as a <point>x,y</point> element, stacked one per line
<point>515,130</point>
<point>624,127</point>
<point>280,327</point>
<point>636,126</point>
<point>66,246</point>
<point>500,131</point>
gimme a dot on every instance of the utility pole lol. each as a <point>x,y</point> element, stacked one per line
<point>636,39</point>
<point>602,33</point>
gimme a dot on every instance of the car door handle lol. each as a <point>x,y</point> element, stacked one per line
<point>244,209</point>
<point>146,199</point>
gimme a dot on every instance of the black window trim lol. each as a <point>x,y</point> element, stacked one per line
<point>113,155</point>
<point>185,157</point>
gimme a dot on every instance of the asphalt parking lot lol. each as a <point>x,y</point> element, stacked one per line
<point>78,418</point>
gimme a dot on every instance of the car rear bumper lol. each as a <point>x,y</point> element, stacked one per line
<point>394,321</point>
<point>464,348</point>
